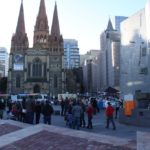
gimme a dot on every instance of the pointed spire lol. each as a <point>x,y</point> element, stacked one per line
<point>20,29</point>
<point>55,31</point>
<point>42,10</point>
<point>41,21</point>
<point>109,26</point>
<point>41,29</point>
<point>19,40</point>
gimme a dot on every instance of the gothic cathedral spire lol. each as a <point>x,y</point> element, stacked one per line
<point>56,39</point>
<point>41,29</point>
<point>55,31</point>
<point>19,39</point>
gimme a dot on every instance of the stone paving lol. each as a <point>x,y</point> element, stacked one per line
<point>7,128</point>
<point>143,141</point>
<point>53,141</point>
<point>57,138</point>
<point>21,136</point>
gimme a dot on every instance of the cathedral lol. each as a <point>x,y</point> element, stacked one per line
<point>38,69</point>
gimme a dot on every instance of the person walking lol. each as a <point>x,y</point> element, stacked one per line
<point>109,115</point>
<point>47,111</point>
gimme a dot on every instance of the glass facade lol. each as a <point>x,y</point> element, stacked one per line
<point>118,20</point>
<point>71,54</point>
<point>3,62</point>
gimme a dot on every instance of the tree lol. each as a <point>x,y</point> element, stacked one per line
<point>3,85</point>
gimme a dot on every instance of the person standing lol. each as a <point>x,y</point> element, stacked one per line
<point>90,116</point>
<point>2,107</point>
<point>47,111</point>
<point>62,104</point>
<point>82,118</point>
<point>37,111</point>
<point>76,112</point>
<point>109,115</point>
<point>30,105</point>
<point>117,109</point>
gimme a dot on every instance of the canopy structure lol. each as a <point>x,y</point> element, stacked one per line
<point>111,90</point>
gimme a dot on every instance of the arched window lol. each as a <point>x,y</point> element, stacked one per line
<point>41,39</point>
<point>45,39</point>
<point>18,81</point>
<point>55,81</point>
<point>37,68</point>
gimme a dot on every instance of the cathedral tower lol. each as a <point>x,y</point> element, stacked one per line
<point>56,39</point>
<point>41,29</point>
<point>56,53</point>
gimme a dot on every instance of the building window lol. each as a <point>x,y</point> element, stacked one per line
<point>37,68</point>
<point>55,81</point>
<point>18,80</point>
<point>144,51</point>
<point>44,69</point>
<point>144,71</point>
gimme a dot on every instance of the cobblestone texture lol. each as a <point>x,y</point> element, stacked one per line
<point>7,128</point>
<point>45,140</point>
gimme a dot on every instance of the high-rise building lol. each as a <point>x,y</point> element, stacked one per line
<point>38,69</point>
<point>3,62</point>
<point>134,55</point>
<point>71,54</point>
<point>117,21</point>
<point>90,71</point>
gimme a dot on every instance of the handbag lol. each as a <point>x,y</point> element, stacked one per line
<point>24,110</point>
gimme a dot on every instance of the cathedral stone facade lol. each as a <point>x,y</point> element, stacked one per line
<point>38,69</point>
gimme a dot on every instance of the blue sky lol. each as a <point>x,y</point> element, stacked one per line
<point>82,20</point>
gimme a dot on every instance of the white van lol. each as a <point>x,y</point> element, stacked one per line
<point>41,97</point>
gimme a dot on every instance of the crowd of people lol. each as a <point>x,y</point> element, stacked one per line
<point>77,113</point>
<point>74,113</point>
<point>27,111</point>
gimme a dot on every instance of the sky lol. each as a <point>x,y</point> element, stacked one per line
<point>83,20</point>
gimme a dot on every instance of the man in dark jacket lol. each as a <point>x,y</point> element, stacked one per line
<point>2,107</point>
<point>37,111</point>
<point>109,115</point>
<point>47,111</point>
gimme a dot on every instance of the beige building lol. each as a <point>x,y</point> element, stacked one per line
<point>38,69</point>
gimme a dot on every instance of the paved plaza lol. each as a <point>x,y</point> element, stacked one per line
<point>15,135</point>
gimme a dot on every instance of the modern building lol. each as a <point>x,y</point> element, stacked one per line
<point>90,71</point>
<point>89,55</point>
<point>109,57</point>
<point>38,69</point>
<point>71,54</point>
<point>135,53</point>
<point>117,22</point>
<point>4,57</point>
